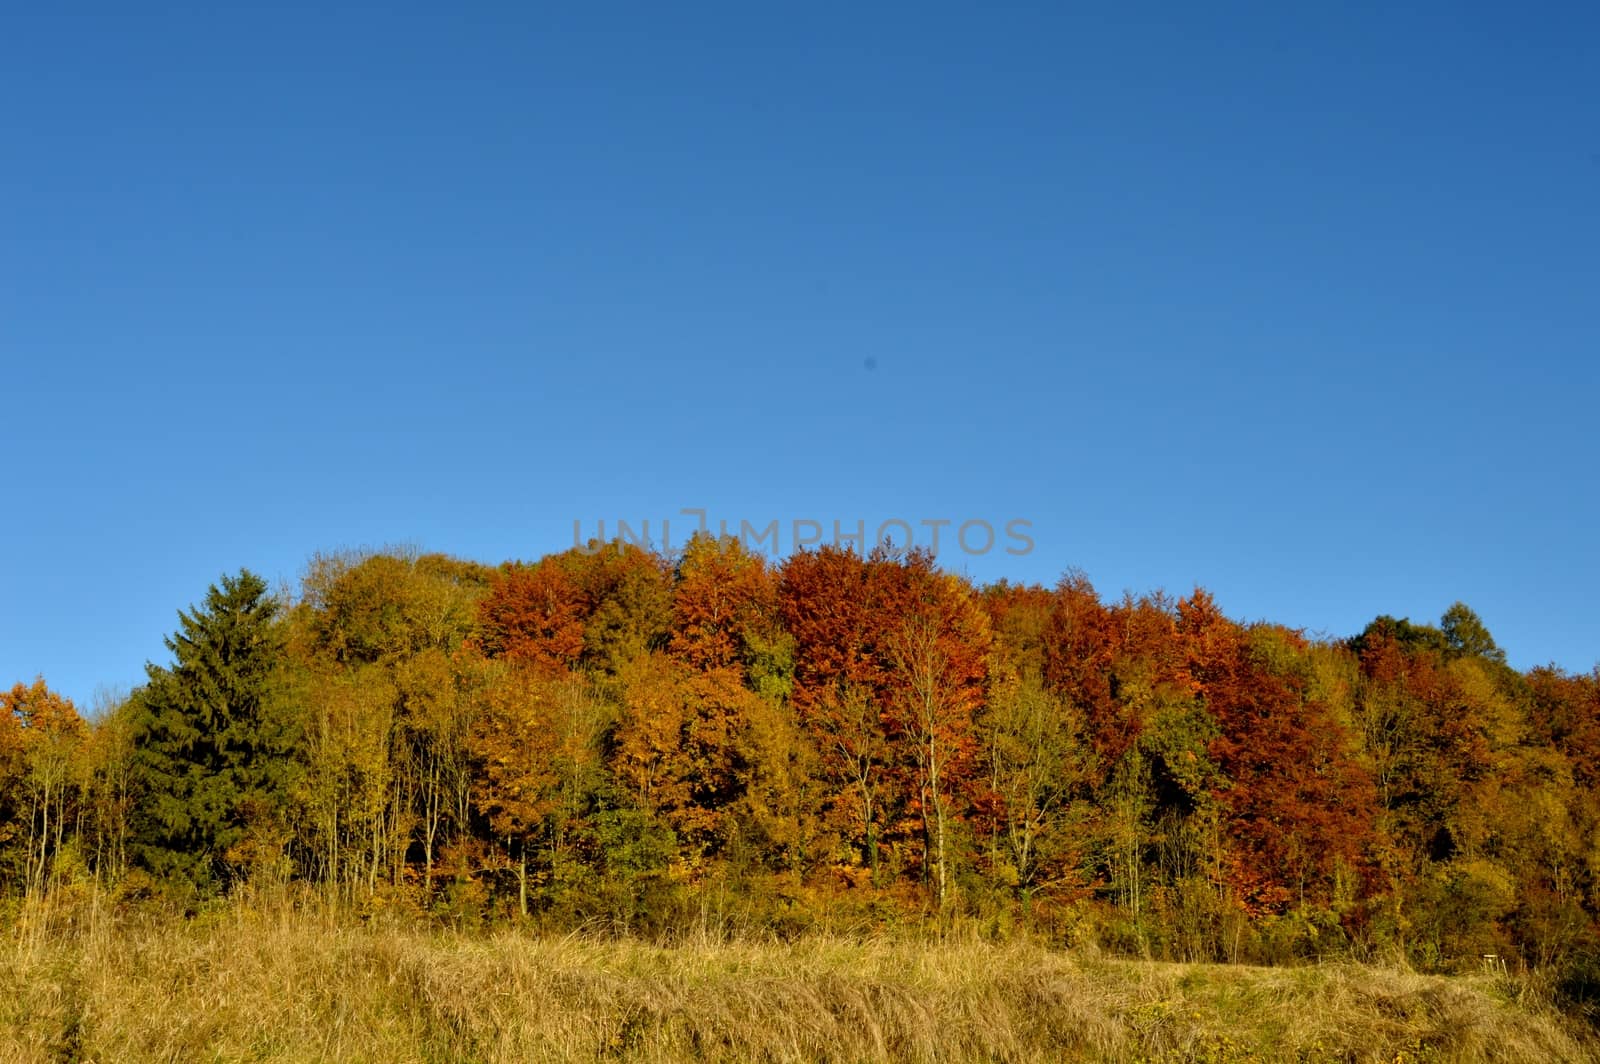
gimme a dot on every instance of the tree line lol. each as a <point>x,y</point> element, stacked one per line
<point>620,738</point>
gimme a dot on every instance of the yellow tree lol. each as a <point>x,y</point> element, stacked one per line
<point>345,828</point>
<point>1035,754</point>
<point>651,756</point>
<point>439,697</point>
<point>377,637</point>
<point>535,745</point>
<point>107,780</point>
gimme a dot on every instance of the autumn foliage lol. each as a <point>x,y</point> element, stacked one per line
<point>616,736</point>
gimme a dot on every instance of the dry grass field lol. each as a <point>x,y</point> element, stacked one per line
<point>283,986</point>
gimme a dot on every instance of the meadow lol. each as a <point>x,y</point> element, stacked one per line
<point>256,984</point>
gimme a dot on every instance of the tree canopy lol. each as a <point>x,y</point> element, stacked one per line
<point>834,738</point>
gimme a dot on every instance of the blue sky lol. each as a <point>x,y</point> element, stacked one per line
<point>1300,307</point>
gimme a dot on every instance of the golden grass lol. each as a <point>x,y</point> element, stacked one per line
<point>280,986</point>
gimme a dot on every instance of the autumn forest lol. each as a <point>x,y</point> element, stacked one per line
<point>625,741</point>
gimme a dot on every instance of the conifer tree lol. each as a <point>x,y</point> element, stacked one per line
<point>211,741</point>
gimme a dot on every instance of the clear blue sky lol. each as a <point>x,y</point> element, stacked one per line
<point>1301,308</point>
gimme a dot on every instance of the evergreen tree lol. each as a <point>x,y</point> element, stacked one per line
<point>212,741</point>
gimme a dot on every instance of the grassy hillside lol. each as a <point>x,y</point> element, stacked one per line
<point>246,986</point>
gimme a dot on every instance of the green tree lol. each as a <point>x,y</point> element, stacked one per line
<point>213,743</point>
<point>1466,634</point>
